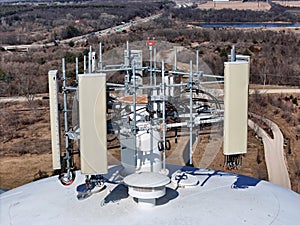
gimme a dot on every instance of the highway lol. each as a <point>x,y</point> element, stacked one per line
<point>111,30</point>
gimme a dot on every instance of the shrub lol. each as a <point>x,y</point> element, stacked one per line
<point>70,57</point>
<point>223,54</point>
<point>42,61</point>
<point>247,52</point>
<point>276,111</point>
<point>40,175</point>
<point>71,44</point>
<point>70,32</point>
<point>295,101</point>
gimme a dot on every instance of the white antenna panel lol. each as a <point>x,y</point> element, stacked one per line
<point>136,58</point>
<point>54,118</point>
<point>92,122</point>
<point>236,85</point>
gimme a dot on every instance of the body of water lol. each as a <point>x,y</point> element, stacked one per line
<point>249,25</point>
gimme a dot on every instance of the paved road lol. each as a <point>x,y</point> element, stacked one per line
<point>112,29</point>
<point>275,91</point>
<point>21,98</point>
<point>177,156</point>
<point>274,153</point>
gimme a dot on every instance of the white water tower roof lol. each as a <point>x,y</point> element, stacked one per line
<point>219,198</point>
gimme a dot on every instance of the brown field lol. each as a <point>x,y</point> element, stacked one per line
<point>258,6</point>
<point>21,169</point>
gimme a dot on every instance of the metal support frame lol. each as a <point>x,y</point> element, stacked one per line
<point>134,129</point>
<point>163,91</point>
<point>191,113</point>
<point>68,177</point>
<point>155,89</point>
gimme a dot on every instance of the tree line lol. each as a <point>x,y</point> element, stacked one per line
<point>276,13</point>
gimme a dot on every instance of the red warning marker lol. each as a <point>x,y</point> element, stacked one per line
<point>150,42</point>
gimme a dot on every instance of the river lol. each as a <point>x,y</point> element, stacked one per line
<point>249,25</point>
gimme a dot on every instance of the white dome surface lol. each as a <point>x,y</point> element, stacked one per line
<point>220,198</point>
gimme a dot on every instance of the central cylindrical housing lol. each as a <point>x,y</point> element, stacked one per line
<point>139,153</point>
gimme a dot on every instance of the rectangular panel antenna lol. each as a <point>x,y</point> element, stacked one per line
<point>92,122</point>
<point>54,118</point>
<point>236,85</point>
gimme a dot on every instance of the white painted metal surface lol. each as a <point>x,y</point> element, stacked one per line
<point>220,198</point>
<point>147,187</point>
<point>147,180</point>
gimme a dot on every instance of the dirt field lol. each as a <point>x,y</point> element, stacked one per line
<point>258,6</point>
<point>19,170</point>
<point>25,152</point>
<point>253,162</point>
